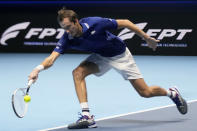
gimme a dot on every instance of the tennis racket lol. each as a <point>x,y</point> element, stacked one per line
<point>18,103</point>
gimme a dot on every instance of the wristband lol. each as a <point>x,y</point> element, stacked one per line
<point>40,67</point>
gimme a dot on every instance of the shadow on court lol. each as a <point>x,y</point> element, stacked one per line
<point>164,119</point>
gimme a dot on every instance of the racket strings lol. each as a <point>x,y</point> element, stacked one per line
<point>19,104</point>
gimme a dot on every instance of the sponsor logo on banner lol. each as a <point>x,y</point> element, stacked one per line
<point>125,34</point>
<point>40,33</point>
<point>13,31</point>
<point>159,34</point>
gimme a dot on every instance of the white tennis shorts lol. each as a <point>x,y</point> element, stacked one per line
<point>123,63</point>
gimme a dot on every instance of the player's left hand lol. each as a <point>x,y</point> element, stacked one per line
<point>152,42</point>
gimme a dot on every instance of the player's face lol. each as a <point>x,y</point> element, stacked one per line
<point>71,28</point>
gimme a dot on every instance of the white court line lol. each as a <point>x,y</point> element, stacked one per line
<point>115,116</point>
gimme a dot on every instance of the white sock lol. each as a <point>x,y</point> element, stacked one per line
<point>85,109</point>
<point>168,93</point>
<point>171,94</point>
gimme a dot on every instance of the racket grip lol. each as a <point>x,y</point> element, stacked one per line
<point>30,82</point>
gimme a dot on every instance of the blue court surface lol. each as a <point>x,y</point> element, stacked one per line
<point>147,120</point>
<point>112,100</point>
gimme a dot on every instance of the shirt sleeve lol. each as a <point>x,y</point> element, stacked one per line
<point>108,24</point>
<point>62,44</point>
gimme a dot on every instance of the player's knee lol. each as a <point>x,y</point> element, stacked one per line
<point>78,73</point>
<point>145,93</point>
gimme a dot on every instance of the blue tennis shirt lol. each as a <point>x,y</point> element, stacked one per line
<point>95,38</point>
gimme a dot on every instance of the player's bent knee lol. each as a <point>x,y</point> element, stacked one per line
<point>78,73</point>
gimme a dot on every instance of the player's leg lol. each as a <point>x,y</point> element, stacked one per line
<point>147,91</point>
<point>83,70</point>
<point>127,67</point>
<point>150,91</point>
<point>79,74</point>
<point>94,64</point>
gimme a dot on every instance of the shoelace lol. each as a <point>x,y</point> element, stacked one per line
<point>81,117</point>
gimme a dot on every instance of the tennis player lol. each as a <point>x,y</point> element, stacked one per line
<point>108,51</point>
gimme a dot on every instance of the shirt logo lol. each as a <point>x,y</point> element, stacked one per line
<point>110,19</point>
<point>93,32</point>
<point>86,25</point>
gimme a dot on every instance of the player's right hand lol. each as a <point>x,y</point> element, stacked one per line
<point>33,75</point>
<point>152,42</point>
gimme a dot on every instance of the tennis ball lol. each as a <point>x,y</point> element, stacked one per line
<point>27,98</point>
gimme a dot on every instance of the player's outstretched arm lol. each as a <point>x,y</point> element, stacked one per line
<point>124,23</point>
<point>48,62</point>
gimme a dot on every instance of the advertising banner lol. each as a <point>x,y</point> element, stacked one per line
<point>35,31</point>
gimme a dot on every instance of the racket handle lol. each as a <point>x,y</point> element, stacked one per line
<point>30,82</point>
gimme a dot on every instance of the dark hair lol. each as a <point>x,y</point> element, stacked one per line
<point>65,13</point>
